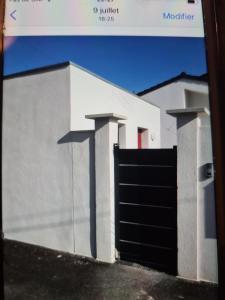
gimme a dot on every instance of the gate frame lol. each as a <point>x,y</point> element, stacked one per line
<point>117,211</point>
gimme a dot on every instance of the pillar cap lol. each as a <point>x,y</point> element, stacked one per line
<point>106,115</point>
<point>191,110</point>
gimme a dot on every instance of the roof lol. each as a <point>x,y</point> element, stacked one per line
<point>62,65</point>
<point>39,70</point>
<point>181,76</point>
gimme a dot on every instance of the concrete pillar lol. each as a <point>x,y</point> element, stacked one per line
<point>187,195</point>
<point>106,135</point>
<point>187,181</point>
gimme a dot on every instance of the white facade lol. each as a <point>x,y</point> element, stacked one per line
<point>49,172</point>
<point>178,94</point>
<point>92,95</point>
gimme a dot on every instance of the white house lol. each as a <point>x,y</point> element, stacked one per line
<point>179,92</point>
<point>49,153</point>
<point>59,127</point>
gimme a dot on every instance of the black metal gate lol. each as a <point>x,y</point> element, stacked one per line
<point>146,207</point>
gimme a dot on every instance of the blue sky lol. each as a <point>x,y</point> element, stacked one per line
<point>134,63</point>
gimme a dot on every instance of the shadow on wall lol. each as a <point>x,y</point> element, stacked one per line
<point>203,172</point>
<point>209,203</point>
<point>210,224</point>
<point>75,137</point>
<point>79,137</point>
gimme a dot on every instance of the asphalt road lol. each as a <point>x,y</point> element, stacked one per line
<point>32,272</point>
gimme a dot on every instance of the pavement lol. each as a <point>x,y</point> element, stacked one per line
<point>32,272</point>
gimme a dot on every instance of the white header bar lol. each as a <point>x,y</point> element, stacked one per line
<point>104,17</point>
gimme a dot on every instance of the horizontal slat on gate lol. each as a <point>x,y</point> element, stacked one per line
<point>147,175</point>
<point>148,195</point>
<point>148,156</point>
<point>148,215</point>
<point>157,236</point>
<point>150,255</point>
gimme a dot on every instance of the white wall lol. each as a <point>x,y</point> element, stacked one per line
<point>49,153</point>
<point>173,96</point>
<point>37,165</point>
<point>92,95</point>
<point>207,242</point>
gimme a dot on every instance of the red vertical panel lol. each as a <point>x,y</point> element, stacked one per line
<point>139,139</point>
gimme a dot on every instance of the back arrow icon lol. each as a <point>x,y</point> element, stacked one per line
<point>12,15</point>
